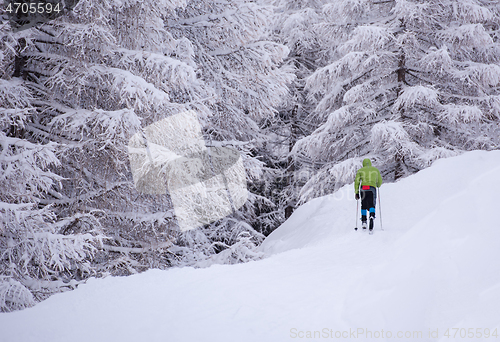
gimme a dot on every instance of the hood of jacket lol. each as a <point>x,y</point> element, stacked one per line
<point>367,162</point>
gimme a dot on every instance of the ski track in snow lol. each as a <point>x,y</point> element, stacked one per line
<point>435,266</point>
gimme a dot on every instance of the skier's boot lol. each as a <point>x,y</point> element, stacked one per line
<point>372,218</point>
<point>363,221</point>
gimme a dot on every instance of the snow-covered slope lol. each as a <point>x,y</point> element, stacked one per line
<point>435,266</point>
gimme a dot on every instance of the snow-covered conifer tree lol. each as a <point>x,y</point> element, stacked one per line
<point>39,254</point>
<point>238,60</point>
<point>408,82</point>
<point>295,26</point>
<point>101,73</point>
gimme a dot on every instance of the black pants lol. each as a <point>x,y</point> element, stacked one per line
<point>368,200</point>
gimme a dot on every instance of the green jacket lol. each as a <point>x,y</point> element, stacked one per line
<point>367,175</point>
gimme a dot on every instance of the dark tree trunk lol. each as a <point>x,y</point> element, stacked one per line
<point>400,169</point>
<point>291,164</point>
<point>20,60</point>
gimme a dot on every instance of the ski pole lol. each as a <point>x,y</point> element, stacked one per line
<point>357,208</point>
<point>380,208</point>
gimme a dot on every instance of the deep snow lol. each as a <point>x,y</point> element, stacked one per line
<point>435,266</point>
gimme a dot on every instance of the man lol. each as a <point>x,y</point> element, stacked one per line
<point>370,179</point>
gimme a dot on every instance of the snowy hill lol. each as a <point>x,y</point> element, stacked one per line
<point>435,266</point>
